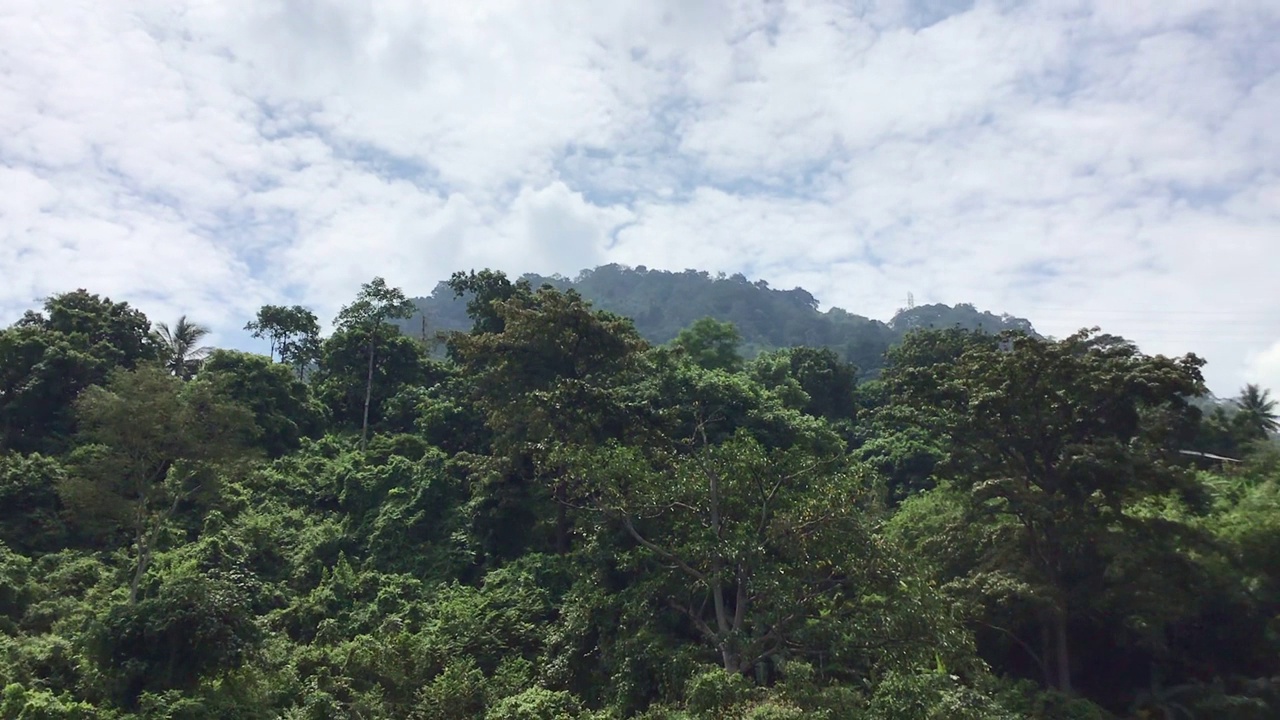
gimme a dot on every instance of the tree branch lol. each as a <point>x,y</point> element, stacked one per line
<point>689,570</point>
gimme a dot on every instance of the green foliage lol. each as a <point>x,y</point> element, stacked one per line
<point>719,694</point>
<point>114,333</point>
<point>761,553</point>
<point>191,628</point>
<point>19,703</point>
<point>294,334</point>
<point>561,520</point>
<point>1257,411</point>
<point>365,319</point>
<point>711,345</point>
<point>551,372</point>
<point>282,406</point>
<point>930,696</point>
<point>457,693</point>
<point>541,368</point>
<point>15,590</point>
<point>47,359</point>
<point>663,304</point>
<point>375,304</point>
<point>30,510</point>
<point>535,704</point>
<point>181,351</point>
<point>1058,436</point>
<point>152,443</point>
<point>942,696</point>
<point>342,380</point>
<point>825,381</point>
<point>482,291</point>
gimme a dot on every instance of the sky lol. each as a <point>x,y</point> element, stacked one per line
<point>1077,163</point>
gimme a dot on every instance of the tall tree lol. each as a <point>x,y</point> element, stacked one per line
<point>483,289</point>
<point>183,352</point>
<point>47,358</point>
<point>294,334</point>
<point>1056,437</point>
<point>549,345</point>
<point>367,316</point>
<point>118,334</point>
<point>711,344</point>
<point>151,444</point>
<point>763,554</point>
<point>544,372</point>
<point>282,405</point>
<point>826,381</point>
<point>1257,410</point>
<point>341,380</point>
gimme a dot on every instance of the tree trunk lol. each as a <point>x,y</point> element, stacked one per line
<point>146,538</point>
<point>1063,656</point>
<point>1046,650</point>
<point>144,561</point>
<point>730,657</point>
<point>562,529</point>
<point>140,542</point>
<point>368,395</point>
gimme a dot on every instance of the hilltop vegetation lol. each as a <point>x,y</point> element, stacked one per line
<point>565,518</point>
<point>661,304</point>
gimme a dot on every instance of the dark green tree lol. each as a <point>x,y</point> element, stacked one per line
<point>482,290</point>
<point>547,374</point>
<point>764,554</point>
<point>1219,435</point>
<point>294,334</point>
<point>282,406</point>
<point>367,317</point>
<point>1055,437</point>
<point>152,443</point>
<point>343,385</point>
<point>195,626</point>
<point>47,358</point>
<point>827,381</point>
<point>115,333</point>
<point>553,350</point>
<point>30,511</point>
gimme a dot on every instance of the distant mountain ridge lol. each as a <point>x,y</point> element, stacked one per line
<point>662,303</point>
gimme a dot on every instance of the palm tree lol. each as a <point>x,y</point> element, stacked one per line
<point>182,352</point>
<point>1258,410</point>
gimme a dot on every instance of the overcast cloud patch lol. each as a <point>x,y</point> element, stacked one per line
<point>1074,162</point>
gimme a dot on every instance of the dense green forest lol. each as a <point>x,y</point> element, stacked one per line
<point>662,303</point>
<point>571,514</point>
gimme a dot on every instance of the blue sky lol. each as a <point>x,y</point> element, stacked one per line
<point>1078,163</point>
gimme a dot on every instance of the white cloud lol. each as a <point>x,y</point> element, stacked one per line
<point>1264,367</point>
<point>1075,161</point>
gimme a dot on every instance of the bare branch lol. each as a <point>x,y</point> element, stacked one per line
<point>698,622</point>
<point>689,570</point>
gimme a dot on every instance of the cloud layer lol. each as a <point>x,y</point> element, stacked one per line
<point>1075,162</point>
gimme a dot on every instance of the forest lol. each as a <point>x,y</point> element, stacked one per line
<point>711,506</point>
<point>662,303</point>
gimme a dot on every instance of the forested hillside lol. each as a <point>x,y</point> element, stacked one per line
<point>663,303</point>
<point>567,516</point>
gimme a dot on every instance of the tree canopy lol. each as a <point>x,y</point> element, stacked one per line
<point>294,334</point>
<point>663,304</point>
<point>688,500</point>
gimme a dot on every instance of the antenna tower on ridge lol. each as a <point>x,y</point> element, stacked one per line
<point>911,301</point>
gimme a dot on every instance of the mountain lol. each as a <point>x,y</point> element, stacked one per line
<point>662,303</point>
